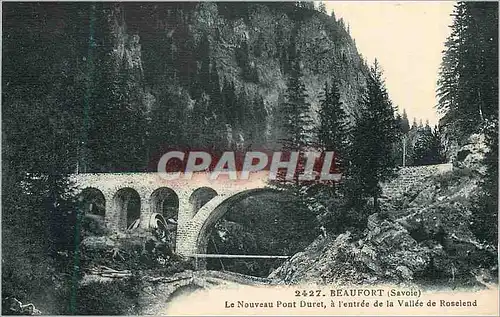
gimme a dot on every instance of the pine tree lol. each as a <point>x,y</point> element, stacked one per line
<point>130,121</point>
<point>423,146</point>
<point>166,124</point>
<point>40,123</point>
<point>322,8</point>
<point>208,118</point>
<point>468,97</point>
<point>405,124</point>
<point>373,138</point>
<point>296,124</point>
<point>332,131</point>
<point>117,140</point>
<point>201,116</point>
<point>242,104</point>
<point>332,136</point>
<point>414,125</point>
<point>116,133</point>
<point>242,111</point>
<point>297,120</point>
<point>332,15</point>
<point>436,149</point>
<point>248,70</point>
<point>468,79</point>
<point>260,122</point>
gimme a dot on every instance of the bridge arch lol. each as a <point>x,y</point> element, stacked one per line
<point>195,239</point>
<point>127,207</point>
<point>93,202</point>
<point>200,197</point>
<point>165,201</point>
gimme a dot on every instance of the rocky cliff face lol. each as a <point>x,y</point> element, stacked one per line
<point>425,234</point>
<point>133,78</point>
<point>248,44</point>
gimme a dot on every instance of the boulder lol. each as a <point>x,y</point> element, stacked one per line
<point>425,196</point>
<point>385,252</point>
<point>471,154</point>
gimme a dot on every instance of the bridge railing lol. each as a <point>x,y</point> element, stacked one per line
<point>201,257</point>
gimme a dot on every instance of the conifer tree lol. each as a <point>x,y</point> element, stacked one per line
<point>468,80</point>
<point>296,124</point>
<point>373,138</point>
<point>332,131</point>
<point>297,120</point>
<point>260,119</point>
<point>422,150</point>
<point>166,123</point>
<point>414,125</point>
<point>41,119</point>
<point>322,8</point>
<point>210,115</point>
<point>468,97</point>
<point>297,136</point>
<point>405,124</point>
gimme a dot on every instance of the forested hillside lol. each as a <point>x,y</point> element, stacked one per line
<point>131,80</point>
<point>468,92</point>
<point>468,85</point>
<point>109,87</point>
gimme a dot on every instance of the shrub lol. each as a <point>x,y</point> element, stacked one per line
<point>113,298</point>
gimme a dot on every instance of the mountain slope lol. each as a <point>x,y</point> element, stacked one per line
<point>422,236</point>
<point>174,47</point>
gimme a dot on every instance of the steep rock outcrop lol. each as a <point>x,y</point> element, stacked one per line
<point>424,234</point>
<point>248,45</point>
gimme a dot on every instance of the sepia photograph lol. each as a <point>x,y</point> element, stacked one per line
<point>249,158</point>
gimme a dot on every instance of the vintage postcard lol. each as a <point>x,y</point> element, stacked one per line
<point>250,158</point>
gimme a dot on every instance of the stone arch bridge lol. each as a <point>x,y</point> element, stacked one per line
<point>125,200</point>
<point>193,204</point>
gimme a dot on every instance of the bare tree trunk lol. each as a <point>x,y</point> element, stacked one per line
<point>404,150</point>
<point>480,105</point>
